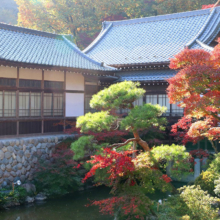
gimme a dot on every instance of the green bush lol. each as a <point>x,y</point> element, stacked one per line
<point>206,181</point>
<point>215,164</point>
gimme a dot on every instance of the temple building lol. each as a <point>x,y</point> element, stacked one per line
<point>45,78</point>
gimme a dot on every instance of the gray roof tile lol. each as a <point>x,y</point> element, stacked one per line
<point>153,39</point>
<point>147,75</point>
<point>35,47</point>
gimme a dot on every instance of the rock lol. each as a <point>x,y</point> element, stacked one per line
<point>1,173</point>
<point>18,173</point>
<point>7,155</point>
<point>44,145</point>
<point>4,183</point>
<point>10,160</point>
<point>28,167</point>
<point>6,174</point>
<point>11,178</point>
<point>15,168</point>
<point>1,145</point>
<point>33,149</point>
<point>16,148</point>
<point>19,166</point>
<point>13,155</point>
<point>23,159</point>
<point>29,187</point>
<point>12,143</point>
<point>22,177</point>
<point>6,143</point>
<point>18,158</point>
<point>21,142</point>
<point>40,197</point>
<point>27,153</point>
<point>4,149</point>
<point>5,161</point>
<point>23,170</point>
<point>14,163</point>
<point>10,149</point>
<point>3,167</point>
<point>24,148</point>
<point>29,199</point>
<point>17,142</point>
<point>8,168</point>
<point>13,173</point>
<point>2,155</point>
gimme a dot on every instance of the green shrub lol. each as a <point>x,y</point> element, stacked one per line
<point>215,164</point>
<point>59,176</point>
<point>206,181</point>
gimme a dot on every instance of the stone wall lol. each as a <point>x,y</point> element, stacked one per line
<point>19,156</point>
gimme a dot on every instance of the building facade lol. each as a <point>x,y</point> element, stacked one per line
<point>45,79</point>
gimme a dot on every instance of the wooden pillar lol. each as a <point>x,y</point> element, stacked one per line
<point>42,102</point>
<point>64,102</point>
<point>17,102</point>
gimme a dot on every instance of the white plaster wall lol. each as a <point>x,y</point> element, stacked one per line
<point>54,76</point>
<point>8,72</point>
<point>74,104</point>
<point>33,74</point>
<point>74,81</point>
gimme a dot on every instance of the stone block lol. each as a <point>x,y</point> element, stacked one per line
<point>27,153</point>
<point>5,161</point>
<point>12,143</point>
<point>17,142</point>
<point>8,155</point>
<point>10,149</point>
<point>15,168</point>
<point>6,143</point>
<point>2,155</point>
<point>21,153</point>
<point>19,166</point>
<point>13,173</point>
<point>21,141</point>
<point>11,178</point>
<point>24,148</point>
<point>16,148</point>
<point>8,167</point>
<point>3,167</point>
<point>13,156</point>
<point>4,149</point>
<point>14,163</point>
<point>6,174</point>
<point>10,160</point>
<point>23,171</point>
<point>18,158</point>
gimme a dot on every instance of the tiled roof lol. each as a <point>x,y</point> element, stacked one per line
<point>149,75</point>
<point>35,47</point>
<point>154,39</point>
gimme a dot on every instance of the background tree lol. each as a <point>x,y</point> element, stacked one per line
<point>8,12</point>
<point>83,18</point>
<point>175,6</point>
<point>197,88</point>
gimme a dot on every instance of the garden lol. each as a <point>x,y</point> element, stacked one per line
<point>124,152</point>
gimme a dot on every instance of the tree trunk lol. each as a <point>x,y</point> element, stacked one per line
<point>142,143</point>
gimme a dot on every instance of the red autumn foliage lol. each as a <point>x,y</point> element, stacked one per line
<point>119,164</point>
<point>196,87</point>
<point>166,178</point>
<point>209,6</point>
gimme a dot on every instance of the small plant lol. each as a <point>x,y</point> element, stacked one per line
<point>59,176</point>
<point>206,181</point>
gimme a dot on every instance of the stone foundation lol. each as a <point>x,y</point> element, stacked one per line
<point>19,156</point>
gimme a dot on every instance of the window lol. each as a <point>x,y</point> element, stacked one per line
<point>7,82</point>
<point>53,85</point>
<point>53,104</point>
<point>87,104</point>
<point>163,100</point>
<point>26,83</point>
<point>9,104</point>
<point>29,104</point>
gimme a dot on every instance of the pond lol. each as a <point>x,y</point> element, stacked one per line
<point>70,207</point>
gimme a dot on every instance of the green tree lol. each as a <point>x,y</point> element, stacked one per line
<point>122,95</point>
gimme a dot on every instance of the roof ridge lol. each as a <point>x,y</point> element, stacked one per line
<point>159,17</point>
<point>190,43</point>
<point>28,30</point>
<point>205,46</point>
<point>103,32</point>
<point>77,50</point>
